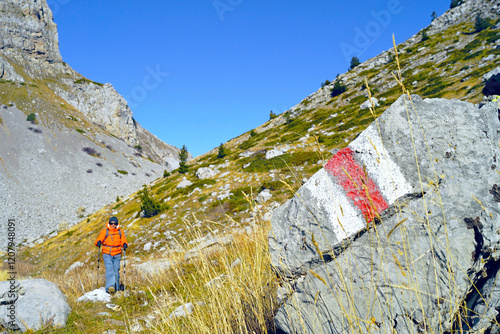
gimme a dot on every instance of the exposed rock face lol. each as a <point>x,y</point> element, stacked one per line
<point>52,177</point>
<point>28,26</point>
<point>37,302</point>
<point>29,39</point>
<point>7,72</point>
<point>431,175</point>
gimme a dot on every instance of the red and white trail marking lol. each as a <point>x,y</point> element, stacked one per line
<point>360,181</point>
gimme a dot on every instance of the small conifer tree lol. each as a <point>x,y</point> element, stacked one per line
<point>481,23</point>
<point>272,115</point>
<point>424,37</point>
<point>354,62</point>
<point>183,156</point>
<point>150,206</point>
<point>166,174</point>
<point>434,16</point>
<point>222,152</point>
<point>338,89</point>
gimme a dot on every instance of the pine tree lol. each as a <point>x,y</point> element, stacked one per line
<point>354,62</point>
<point>222,152</point>
<point>149,206</point>
<point>434,16</point>
<point>481,24</point>
<point>183,156</point>
<point>272,115</point>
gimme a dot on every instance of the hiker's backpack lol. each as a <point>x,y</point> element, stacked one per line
<point>107,234</point>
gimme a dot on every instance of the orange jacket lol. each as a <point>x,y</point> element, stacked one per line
<point>114,242</point>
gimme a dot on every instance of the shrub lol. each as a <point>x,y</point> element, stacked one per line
<point>455,3</point>
<point>323,84</point>
<point>272,115</point>
<point>354,62</point>
<point>424,37</point>
<point>35,130</point>
<point>183,156</point>
<point>338,89</point>
<point>150,206</point>
<point>222,152</point>
<point>31,118</point>
<point>91,151</point>
<point>123,172</point>
<point>166,173</point>
<point>481,23</point>
<point>252,133</point>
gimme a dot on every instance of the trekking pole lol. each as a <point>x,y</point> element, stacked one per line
<point>98,260</point>
<point>124,265</point>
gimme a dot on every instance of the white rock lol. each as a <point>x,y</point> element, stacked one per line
<point>235,263</point>
<point>75,265</point>
<point>224,195</point>
<point>369,103</point>
<point>206,173</point>
<point>263,196</point>
<point>184,184</point>
<point>491,73</point>
<point>182,311</point>
<point>147,247</point>
<point>97,295</point>
<point>275,153</point>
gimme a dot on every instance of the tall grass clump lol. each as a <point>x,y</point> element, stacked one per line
<point>233,289</point>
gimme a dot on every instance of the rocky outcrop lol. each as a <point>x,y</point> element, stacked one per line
<point>27,27</point>
<point>35,304</point>
<point>8,73</point>
<point>399,232</point>
<point>29,39</point>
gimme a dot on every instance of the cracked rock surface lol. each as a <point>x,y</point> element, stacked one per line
<point>430,262</point>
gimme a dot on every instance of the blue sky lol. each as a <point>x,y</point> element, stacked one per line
<point>200,72</point>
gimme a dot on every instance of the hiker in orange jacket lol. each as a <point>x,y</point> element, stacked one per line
<point>112,239</point>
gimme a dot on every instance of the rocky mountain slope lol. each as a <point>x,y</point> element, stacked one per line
<point>270,163</point>
<point>407,217</point>
<point>72,117</point>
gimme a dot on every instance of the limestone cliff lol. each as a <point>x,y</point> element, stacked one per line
<point>29,40</point>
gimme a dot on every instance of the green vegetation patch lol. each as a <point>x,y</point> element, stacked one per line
<point>123,172</point>
<point>253,140</point>
<point>197,184</point>
<point>260,164</point>
<point>85,80</point>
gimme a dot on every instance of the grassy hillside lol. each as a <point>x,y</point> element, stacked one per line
<point>448,65</point>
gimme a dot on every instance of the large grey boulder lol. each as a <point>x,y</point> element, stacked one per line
<point>408,238</point>
<point>32,304</point>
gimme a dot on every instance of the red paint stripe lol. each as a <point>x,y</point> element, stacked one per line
<point>343,163</point>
